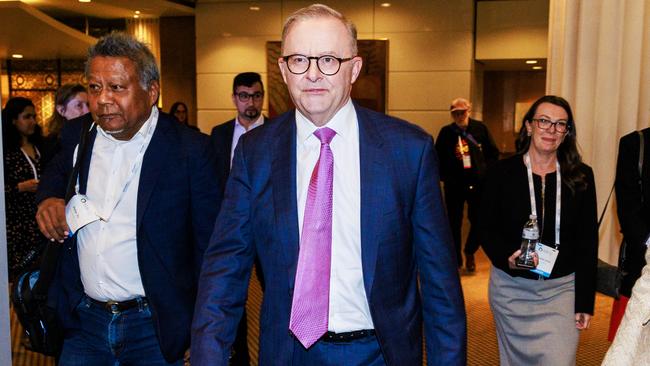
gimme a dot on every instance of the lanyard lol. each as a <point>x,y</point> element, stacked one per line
<point>31,163</point>
<point>134,166</point>
<point>558,196</point>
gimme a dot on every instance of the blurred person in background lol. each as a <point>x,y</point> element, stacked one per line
<point>465,150</point>
<point>633,209</point>
<point>180,112</point>
<point>539,315</point>
<point>21,138</point>
<point>71,101</point>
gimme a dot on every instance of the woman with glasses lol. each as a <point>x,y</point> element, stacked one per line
<point>540,311</point>
<point>180,112</point>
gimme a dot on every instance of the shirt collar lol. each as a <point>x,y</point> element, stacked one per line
<point>142,132</point>
<point>258,122</point>
<point>343,123</point>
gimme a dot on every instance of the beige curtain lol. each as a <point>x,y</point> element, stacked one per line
<point>147,31</point>
<point>599,60</point>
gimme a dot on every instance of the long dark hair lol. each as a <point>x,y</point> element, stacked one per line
<point>63,96</point>
<point>172,111</point>
<point>10,135</point>
<point>567,153</point>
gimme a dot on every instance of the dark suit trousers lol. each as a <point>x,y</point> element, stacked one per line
<point>239,355</point>
<point>456,194</point>
<point>360,352</point>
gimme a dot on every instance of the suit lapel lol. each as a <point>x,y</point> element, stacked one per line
<point>85,162</point>
<point>152,164</point>
<point>372,190</point>
<point>283,180</point>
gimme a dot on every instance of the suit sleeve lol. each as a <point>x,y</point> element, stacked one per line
<point>206,196</point>
<point>445,152</point>
<point>587,247</point>
<point>443,305</point>
<point>55,176</point>
<point>491,223</point>
<point>629,204</point>
<point>225,273</point>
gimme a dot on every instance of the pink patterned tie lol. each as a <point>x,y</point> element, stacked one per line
<point>310,306</point>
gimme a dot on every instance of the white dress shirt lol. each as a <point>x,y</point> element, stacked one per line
<point>240,130</point>
<point>348,305</point>
<point>107,248</point>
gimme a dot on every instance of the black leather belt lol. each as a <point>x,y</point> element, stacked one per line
<point>348,336</point>
<point>120,306</point>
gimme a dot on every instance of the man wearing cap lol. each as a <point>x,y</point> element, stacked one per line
<point>465,149</point>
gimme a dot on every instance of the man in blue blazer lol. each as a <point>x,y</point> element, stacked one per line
<point>248,98</point>
<point>134,233</point>
<point>342,206</point>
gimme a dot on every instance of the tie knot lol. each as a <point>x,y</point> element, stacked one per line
<point>325,134</point>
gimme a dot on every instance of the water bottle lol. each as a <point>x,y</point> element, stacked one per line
<point>529,239</point>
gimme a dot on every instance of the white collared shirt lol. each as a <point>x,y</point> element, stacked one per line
<point>240,130</point>
<point>348,305</point>
<point>107,248</point>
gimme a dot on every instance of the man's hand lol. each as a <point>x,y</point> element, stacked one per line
<point>29,185</point>
<point>51,219</point>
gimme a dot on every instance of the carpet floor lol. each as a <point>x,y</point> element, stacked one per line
<point>482,343</point>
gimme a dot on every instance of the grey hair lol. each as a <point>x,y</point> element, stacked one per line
<point>120,44</point>
<point>320,11</point>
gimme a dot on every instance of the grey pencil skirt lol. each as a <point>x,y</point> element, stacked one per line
<point>535,319</point>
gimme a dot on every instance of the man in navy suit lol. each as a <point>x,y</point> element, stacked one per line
<point>248,98</point>
<point>134,233</point>
<point>342,206</point>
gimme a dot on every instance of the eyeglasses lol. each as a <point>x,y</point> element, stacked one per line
<point>544,124</point>
<point>327,64</point>
<point>245,97</point>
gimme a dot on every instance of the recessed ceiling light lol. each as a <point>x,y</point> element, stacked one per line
<point>531,62</point>
<point>17,55</point>
<point>137,11</point>
<point>537,67</point>
<point>84,1</point>
<point>254,8</point>
<point>385,5</point>
<point>136,16</point>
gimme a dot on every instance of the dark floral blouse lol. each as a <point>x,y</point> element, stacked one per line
<point>24,240</point>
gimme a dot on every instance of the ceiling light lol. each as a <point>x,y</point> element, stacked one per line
<point>17,55</point>
<point>136,16</point>
<point>537,67</point>
<point>84,1</point>
<point>531,62</point>
<point>254,8</point>
<point>385,5</point>
<point>137,12</point>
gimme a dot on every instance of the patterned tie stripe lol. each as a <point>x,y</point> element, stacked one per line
<point>310,305</point>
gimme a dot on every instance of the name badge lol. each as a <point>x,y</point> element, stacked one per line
<point>79,212</point>
<point>547,257</point>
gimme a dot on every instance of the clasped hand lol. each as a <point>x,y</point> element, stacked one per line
<point>51,219</point>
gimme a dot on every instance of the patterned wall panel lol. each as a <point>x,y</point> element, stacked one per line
<point>39,80</point>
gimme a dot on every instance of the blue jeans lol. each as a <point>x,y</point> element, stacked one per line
<point>104,338</point>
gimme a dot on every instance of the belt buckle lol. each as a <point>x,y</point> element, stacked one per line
<point>113,306</point>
